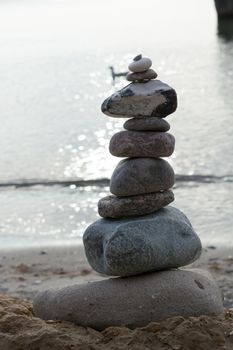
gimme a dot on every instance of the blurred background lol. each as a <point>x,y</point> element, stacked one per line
<point>54,75</point>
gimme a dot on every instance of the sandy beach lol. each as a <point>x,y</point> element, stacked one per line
<point>24,272</point>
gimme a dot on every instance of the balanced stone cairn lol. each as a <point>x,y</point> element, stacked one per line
<point>140,237</point>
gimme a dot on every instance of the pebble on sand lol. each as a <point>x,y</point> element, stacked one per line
<point>132,302</point>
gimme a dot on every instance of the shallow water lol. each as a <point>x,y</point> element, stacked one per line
<point>53,78</point>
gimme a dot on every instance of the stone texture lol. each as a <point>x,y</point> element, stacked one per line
<point>119,207</point>
<point>124,247</point>
<point>147,75</point>
<point>140,64</point>
<point>147,124</point>
<point>134,176</point>
<point>142,144</point>
<point>133,302</point>
<point>154,98</point>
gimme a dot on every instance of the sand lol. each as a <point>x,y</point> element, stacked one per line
<point>24,272</point>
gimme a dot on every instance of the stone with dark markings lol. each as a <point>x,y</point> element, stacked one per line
<point>153,98</point>
<point>142,144</point>
<point>147,124</point>
<point>119,207</point>
<point>134,176</point>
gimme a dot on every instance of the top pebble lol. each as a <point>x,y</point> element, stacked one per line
<point>140,64</point>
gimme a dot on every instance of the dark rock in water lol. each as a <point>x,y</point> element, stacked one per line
<point>134,176</point>
<point>147,124</point>
<point>134,301</point>
<point>224,8</point>
<point>124,247</point>
<point>154,98</point>
<point>142,144</point>
<point>118,207</point>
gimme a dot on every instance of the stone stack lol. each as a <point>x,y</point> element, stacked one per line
<point>139,237</point>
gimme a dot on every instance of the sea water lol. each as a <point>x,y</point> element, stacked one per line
<point>54,75</point>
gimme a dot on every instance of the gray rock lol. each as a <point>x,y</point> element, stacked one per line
<point>118,207</point>
<point>154,98</point>
<point>140,64</point>
<point>134,176</point>
<point>142,144</point>
<point>124,247</point>
<point>147,75</point>
<point>134,301</point>
<point>147,124</point>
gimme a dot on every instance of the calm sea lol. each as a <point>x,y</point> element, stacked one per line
<point>54,75</point>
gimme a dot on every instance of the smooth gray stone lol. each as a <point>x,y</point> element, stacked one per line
<point>147,124</point>
<point>124,247</point>
<point>153,98</point>
<point>134,301</point>
<point>153,144</point>
<point>134,176</point>
<point>140,64</point>
<point>119,207</point>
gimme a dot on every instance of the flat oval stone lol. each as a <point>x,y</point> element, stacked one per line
<point>119,207</point>
<point>147,124</point>
<point>142,144</point>
<point>134,176</point>
<point>140,65</point>
<point>153,98</point>
<point>134,301</point>
<point>147,75</point>
<point>125,247</point>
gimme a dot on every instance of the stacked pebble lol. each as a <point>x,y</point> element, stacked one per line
<point>139,236</point>
<point>144,142</point>
<point>136,242</point>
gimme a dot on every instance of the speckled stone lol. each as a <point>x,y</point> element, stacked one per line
<point>142,144</point>
<point>140,64</point>
<point>124,247</point>
<point>119,207</point>
<point>134,301</point>
<point>147,75</point>
<point>147,124</point>
<point>134,176</point>
<point>153,98</point>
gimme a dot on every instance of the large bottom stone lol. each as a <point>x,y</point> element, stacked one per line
<point>119,207</point>
<point>130,246</point>
<point>133,301</point>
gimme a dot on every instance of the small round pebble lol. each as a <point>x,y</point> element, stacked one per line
<point>147,75</point>
<point>140,65</point>
<point>119,207</point>
<point>147,124</point>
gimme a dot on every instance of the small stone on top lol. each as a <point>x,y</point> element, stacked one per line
<point>137,58</point>
<point>141,64</point>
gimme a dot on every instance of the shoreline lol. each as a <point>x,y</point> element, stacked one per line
<point>26,271</point>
